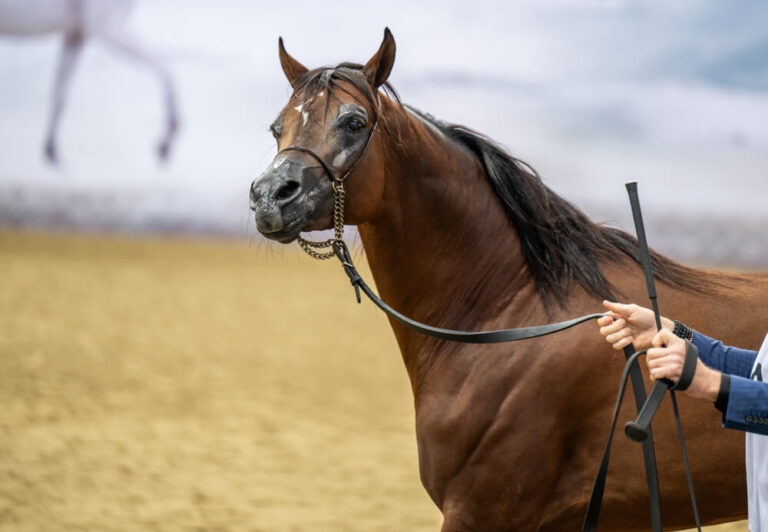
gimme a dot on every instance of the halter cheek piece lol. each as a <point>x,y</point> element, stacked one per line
<point>309,246</point>
<point>326,168</point>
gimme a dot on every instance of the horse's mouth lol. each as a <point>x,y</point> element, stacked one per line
<point>284,223</point>
<point>288,233</point>
<point>284,237</point>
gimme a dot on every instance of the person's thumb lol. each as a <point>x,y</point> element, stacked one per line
<point>663,338</point>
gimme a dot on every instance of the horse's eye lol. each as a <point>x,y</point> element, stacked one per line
<point>276,131</point>
<point>354,124</point>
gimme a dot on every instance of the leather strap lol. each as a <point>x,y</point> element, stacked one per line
<point>595,502</point>
<point>467,337</point>
<point>649,452</point>
<point>326,168</point>
<point>689,367</point>
<point>598,488</point>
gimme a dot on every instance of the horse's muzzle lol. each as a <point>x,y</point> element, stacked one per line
<point>272,199</point>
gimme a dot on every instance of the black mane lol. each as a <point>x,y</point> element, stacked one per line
<point>560,243</point>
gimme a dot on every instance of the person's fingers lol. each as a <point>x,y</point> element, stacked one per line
<point>665,363</point>
<point>619,335</point>
<point>624,342</point>
<point>654,353</point>
<point>657,362</point>
<point>619,308</point>
<point>613,326</point>
<point>605,320</point>
<point>663,337</point>
<point>665,372</point>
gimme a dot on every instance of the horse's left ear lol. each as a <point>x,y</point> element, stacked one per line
<point>293,69</point>
<point>377,69</point>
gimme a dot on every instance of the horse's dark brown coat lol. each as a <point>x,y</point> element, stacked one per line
<point>510,436</point>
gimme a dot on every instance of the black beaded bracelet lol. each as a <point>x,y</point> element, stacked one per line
<point>683,331</point>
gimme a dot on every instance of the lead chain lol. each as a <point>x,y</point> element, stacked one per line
<point>310,247</point>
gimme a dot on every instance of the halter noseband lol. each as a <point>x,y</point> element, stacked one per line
<point>310,246</point>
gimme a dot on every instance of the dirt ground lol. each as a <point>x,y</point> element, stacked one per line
<point>170,384</point>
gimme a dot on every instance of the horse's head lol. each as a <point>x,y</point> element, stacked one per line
<point>325,132</point>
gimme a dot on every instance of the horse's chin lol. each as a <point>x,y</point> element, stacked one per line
<point>294,228</point>
<point>283,239</point>
<point>285,234</point>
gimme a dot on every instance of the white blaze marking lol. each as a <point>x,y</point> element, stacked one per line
<point>298,108</point>
<point>304,118</point>
<point>341,158</point>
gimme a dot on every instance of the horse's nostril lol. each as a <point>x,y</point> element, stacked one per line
<point>287,191</point>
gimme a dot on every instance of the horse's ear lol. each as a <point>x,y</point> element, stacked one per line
<point>292,68</point>
<point>377,69</point>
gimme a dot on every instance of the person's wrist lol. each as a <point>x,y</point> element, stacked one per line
<point>667,324</point>
<point>711,381</point>
<point>714,386</point>
<point>681,330</point>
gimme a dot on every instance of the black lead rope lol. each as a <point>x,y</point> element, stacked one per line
<point>649,452</point>
<point>598,489</point>
<point>467,337</point>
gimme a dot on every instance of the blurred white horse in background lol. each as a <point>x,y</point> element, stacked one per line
<point>79,21</point>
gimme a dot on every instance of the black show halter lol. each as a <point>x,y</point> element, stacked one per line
<point>338,248</point>
<point>310,247</point>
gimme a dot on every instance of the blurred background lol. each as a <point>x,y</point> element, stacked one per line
<point>149,340</point>
<point>591,93</point>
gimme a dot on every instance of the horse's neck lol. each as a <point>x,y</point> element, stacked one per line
<point>442,249</point>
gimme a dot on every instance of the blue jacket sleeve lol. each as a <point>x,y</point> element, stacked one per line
<point>747,406</point>
<point>747,399</point>
<point>725,358</point>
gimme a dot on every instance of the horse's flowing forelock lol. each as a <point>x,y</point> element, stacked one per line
<point>560,243</point>
<point>328,79</point>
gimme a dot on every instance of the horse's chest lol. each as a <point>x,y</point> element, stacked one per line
<point>455,432</point>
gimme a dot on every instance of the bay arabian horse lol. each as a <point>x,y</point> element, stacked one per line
<point>461,235</point>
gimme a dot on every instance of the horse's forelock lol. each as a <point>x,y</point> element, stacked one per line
<point>330,79</point>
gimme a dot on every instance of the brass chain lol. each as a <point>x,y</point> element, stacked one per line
<point>310,247</point>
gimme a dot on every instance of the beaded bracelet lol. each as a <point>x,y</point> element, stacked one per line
<point>683,331</point>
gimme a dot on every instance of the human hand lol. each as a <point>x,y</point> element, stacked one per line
<point>666,360</point>
<point>626,324</point>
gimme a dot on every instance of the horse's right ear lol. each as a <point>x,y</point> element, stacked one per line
<point>292,68</point>
<point>379,66</point>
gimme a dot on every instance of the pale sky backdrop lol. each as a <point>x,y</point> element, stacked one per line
<point>590,93</point>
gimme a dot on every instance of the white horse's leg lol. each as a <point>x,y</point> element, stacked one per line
<point>70,51</point>
<point>125,44</point>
